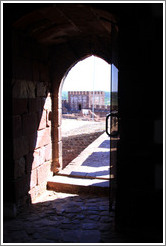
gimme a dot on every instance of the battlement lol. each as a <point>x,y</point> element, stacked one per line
<point>85,92</point>
<point>84,99</point>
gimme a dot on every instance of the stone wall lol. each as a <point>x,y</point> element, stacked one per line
<point>72,146</point>
<point>84,99</point>
<point>31,105</point>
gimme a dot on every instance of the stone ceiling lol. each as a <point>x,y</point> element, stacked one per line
<point>61,23</point>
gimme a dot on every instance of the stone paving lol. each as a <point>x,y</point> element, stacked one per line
<point>63,218</point>
<point>88,173</point>
<point>57,217</point>
<point>94,161</point>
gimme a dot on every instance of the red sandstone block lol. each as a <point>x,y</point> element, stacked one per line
<point>38,157</point>
<point>37,190</point>
<point>42,154</point>
<point>20,106</point>
<point>43,137</point>
<point>48,152</point>
<point>29,160</point>
<point>60,148</point>
<point>32,139</point>
<point>17,127</point>
<point>44,171</point>
<point>57,134</point>
<point>33,178</point>
<point>47,104</point>
<point>42,120</point>
<point>20,147</point>
<point>60,117</point>
<point>48,118</point>
<point>29,123</point>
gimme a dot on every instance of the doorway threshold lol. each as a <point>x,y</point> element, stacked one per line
<point>89,172</point>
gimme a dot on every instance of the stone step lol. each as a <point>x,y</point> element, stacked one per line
<point>67,184</point>
<point>82,175</point>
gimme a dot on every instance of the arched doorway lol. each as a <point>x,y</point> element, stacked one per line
<point>85,103</point>
<point>102,110</point>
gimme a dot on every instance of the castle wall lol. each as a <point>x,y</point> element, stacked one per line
<point>84,99</point>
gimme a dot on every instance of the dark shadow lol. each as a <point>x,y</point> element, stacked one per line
<point>96,159</point>
<point>114,142</point>
<point>73,219</point>
<point>99,174</point>
<point>24,143</point>
<point>92,174</point>
<point>105,144</point>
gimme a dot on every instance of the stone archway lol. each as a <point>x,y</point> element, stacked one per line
<point>47,41</point>
<point>56,36</point>
<point>57,110</point>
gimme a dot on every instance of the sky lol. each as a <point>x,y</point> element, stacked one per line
<point>91,73</point>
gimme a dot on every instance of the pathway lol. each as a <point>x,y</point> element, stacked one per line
<point>63,218</point>
<point>88,172</point>
<point>57,217</point>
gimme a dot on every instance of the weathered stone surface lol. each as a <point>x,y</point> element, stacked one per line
<point>105,212</point>
<point>23,89</point>
<point>52,233</point>
<point>44,171</point>
<point>94,217</point>
<point>92,236</point>
<point>71,236</point>
<point>48,219</point>
<point>20,106</point>
<point>20,147</point>
<point>106,219</point>
<point>43,137</point>
<point>33,178</point>
<point>36,158</point>
<point>104,226</point>
<point>41,89</point>
<point>48,104</point>
<point>89,226</point>
<point>37,191</point>
<point>73,209</point>
<point>32,104</point>
<point>19,169</point>
<point>48,117</point>
<point>32,141</point>
<point>48,152</point>
<point>17,126</point>
<point>57,133</point>
<point>42,117</point>
<point>29,123</point>
<point>22,186</point>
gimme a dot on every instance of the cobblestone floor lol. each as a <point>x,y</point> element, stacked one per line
<point>63,218</point>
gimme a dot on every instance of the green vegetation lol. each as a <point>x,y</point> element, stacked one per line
<point>107,98</point>
<point>64,95</point>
